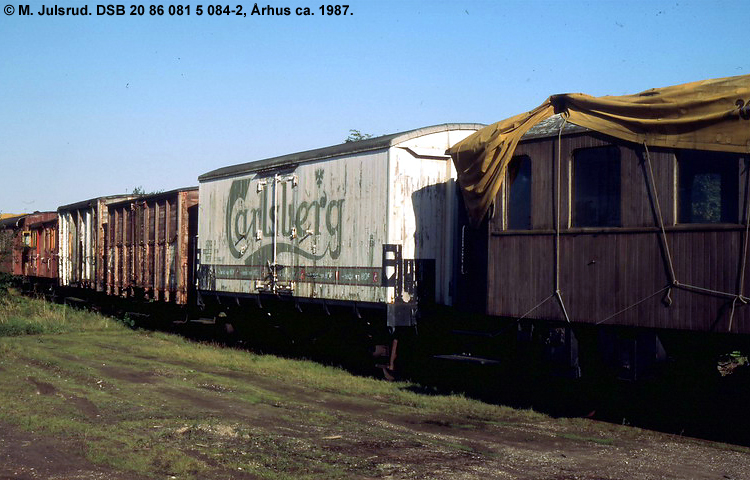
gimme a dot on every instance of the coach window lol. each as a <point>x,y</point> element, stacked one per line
<point>596,187</point>
<point>519,193</point>
<point>708,187</point>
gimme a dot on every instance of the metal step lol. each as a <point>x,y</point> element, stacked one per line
<point>468,359</point>
<point>203,321</point>
<point>477,333</point>
<point>74,301</point>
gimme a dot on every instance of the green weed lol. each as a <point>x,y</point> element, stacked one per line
<point>597,440</point>
<point>21,315</point>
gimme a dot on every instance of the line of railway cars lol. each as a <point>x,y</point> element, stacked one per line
<point>593,251</point>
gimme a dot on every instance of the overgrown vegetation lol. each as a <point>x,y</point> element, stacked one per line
<point>356,136</point>
<point>6,281</point>
<point>732,362</point>
<point>139,190</point>
<point>21,315</point>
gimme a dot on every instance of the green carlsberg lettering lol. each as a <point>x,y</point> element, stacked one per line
<point>251,210</point>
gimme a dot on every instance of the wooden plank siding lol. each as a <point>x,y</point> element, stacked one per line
<point>82,228</point>
<point>604,271</point>
<point>149,239</point>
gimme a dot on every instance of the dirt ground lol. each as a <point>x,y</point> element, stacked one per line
<point>412,447</point>
<point>27,456</point>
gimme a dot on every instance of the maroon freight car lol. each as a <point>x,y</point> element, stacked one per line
<point>8,232</point>
<point>29,245</point>
<point>39,239</point>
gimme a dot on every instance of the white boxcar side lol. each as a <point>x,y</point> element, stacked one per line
<point>81,242</point>
<point>357,222</point>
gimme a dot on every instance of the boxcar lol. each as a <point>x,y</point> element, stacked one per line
<point>39,239</point>
<point>148,246</point>
<point>9,228</point>
<point>81,234</point>
<point>366,224</point>
<point>29,246</point>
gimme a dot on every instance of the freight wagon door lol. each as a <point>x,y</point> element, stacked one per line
<point>280,191</point>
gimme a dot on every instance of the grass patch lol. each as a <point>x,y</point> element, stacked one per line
<point>20,315</point>
<point>580,438</point>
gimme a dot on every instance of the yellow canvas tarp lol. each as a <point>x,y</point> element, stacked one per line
<point>705,115</point>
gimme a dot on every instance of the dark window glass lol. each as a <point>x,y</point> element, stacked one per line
<point>519,193</point>
<point>596,187</point>
<point>708,187</point>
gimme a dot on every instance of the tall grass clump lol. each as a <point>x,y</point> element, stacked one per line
<point>20,315</point>
<point>6,282</point>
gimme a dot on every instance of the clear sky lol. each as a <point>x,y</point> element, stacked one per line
<point>98,105</point>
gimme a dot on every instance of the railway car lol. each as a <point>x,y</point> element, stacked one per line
<point>148,247</point>
<point>617,225</point>
<point>29,247</point>
<point>82,231</point>
<point>40,247</point>
<point>366,226</point>
<point>9,229</point>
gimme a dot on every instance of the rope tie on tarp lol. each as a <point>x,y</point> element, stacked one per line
<point>667,299</point>
<point>557,293</point>
<point>743,258</point>
<point>667,288</point>
<point>535,307</point>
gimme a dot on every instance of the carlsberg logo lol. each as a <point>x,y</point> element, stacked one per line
<point>250,214</point>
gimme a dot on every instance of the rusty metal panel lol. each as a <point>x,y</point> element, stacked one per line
<point>7,239</point>
<point>40,255</point>
<point>145,255</point>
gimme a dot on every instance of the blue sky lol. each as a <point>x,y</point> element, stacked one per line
<point>98,105</point>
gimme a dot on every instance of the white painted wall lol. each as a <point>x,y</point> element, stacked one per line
<point>337,211</point>
<point>402,195</point>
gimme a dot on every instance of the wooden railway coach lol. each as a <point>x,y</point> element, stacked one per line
<point>617,211</point>
<point>616,264</point>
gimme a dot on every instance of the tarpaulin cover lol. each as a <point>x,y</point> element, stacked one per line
<point>705,115</point>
